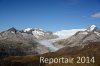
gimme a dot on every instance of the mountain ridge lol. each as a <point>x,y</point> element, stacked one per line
<point>81,38</point>
<point>36,40</point>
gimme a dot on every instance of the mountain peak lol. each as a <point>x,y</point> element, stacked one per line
<point>13,30</point>
<point>92,27</point>
<point>27,29</point>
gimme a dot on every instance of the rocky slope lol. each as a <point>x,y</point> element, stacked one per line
<point>15,42</point>
<point>90,50</point>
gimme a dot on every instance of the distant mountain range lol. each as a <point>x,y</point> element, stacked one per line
<point>25,47</point>
<point>33,41</point>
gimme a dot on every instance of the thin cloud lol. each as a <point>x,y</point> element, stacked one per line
<point>96,15</point>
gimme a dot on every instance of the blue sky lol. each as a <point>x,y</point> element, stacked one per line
<point>50,15</point>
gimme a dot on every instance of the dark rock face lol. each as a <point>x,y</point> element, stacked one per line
<point>13,30</point>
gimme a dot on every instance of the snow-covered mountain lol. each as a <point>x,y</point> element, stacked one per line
<point>38,41</point>
<point>63,34</point>
<point>81,38</point>
<point>25,47</point>
<point>40,34</point>
<point>15,40</point>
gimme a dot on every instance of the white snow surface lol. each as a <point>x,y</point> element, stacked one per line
<point>27,29</point>
<point>92,27</point>
<point>63,34</point>
<point>37,33</point>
